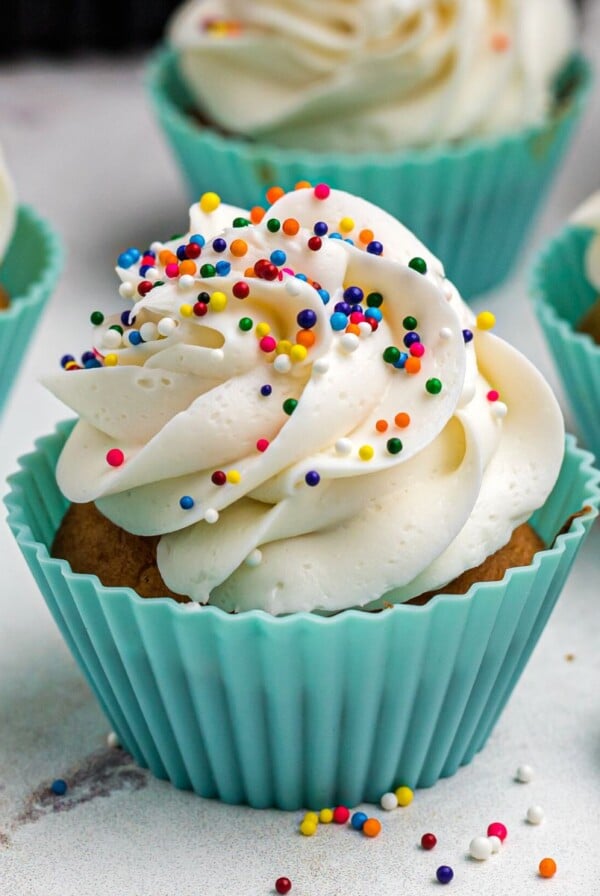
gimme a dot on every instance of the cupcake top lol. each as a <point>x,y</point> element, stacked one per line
<point>302,406</point>
<point>372,74</point>
<point>8,206</point>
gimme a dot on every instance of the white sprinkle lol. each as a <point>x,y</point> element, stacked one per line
<point>365,328</point>
<point>111,339</point>
<point>499,409</point>
<point>152,274</point>
<point>495,843</point>
<point>343,446</point>
<point>148,331</point>
<point>165,326</point>
<point>389,801</point>
<point>448,289</point>
<point>321,365</point>
<point>254,558</point>
<point>218,354</point>
<point>112,740</point>
<point>186,281</point>
<point>535,815</point>
<point>292,286</point>
<point>524,774</point>
<point>349,342</point>
<point>282,363</point>
<point>156,246</point>
<point>480,848</point>
<point>211,516</point>
<point>126,290</point>
<point>445,333</point>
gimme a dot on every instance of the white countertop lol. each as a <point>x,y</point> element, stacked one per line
<point>84,150</point>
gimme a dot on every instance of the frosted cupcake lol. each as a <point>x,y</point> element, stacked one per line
<point>308,431</point>
<point>566,287</point>
<point>450,115</point>
<point>30,262</point>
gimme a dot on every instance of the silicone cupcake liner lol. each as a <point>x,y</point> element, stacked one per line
<point>301,710</point>
<point>30,268</point>
<point>562,295</point>
<point>472,203</point>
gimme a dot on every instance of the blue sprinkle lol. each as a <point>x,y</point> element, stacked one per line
<point>127,319</point>
<point>134,252</point>
<point>135,337</point>
<point>348,240</point>
<point>335,236</point>
<point>467,335</point>
<point>66,359</point>
<point>198,239</point>
<point>125,260</point>
<point>278,257</point>
<point>186,502</point>
<point>343,307</point>
<point>219,245</point>
<point>87,356</point>
<point>375,247</point>
<point>324,296</point>
<point>92,362</point>
<point>320,228</point>
<point>306,318</point>
<point>399,364</point>
<point>223,268</point>
<point>302,277</point>
<point>144,269</point>
<point>358,820</point>
<point>312,478</point>
<point>374,313</point>
<point>338,321</point>
<point>410,338</point>
<point>59,787</point>
<point>266,390</point>
<point>181,253</point>
<point>354,294</point>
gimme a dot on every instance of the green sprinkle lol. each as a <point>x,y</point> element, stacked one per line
<point>374,300</point>
<point>116,327</point>
<point>97,318</point>
<point>410,323</point>
<point>245,324</point>
<point>418,264</point>
<point>394,446</point>
<point>273,224</point>
<point>208,270</point>
<point>289,406</point>
<point>241,222</point>
<point>391,354</point>
<point>176,236</point>
<point>433,386</point>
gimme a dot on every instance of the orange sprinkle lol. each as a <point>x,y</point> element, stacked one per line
<point>547,868</point>
<point>165,256</point>
<point>249,272</point>
<point>500,42</point>
<point>402,420</point>
<point>238,248</point>
<point>366,236</point>
<point>257,213</point>
<point>371,827</point>
<point>187,267</point>
<point>413,365</point>
<point>305,338</point>
<point>274,193</point>
<point>353,328</point>
<point>290,226</point>
<point>381,425</point>
<point>303,185</point>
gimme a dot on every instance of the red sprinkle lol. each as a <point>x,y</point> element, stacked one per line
<point>322,191</point>
<point>262,444</point>
<point>428,841</point>
<point>241,290</point>
<point>283,885</point>
<point>341,814</point>
<point>315,243</point>
<point>218,477</point>
<point>115,457</point>
<point>268,344</point>
<point>493,395</point>
<point>200,309</point>
<point>144,287</point>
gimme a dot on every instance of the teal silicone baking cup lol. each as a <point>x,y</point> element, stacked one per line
<point>31,266</point>
<point>301,710</point>
<point>472,203</point>
<point>562,295</point>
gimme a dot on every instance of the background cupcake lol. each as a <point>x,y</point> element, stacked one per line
<point>451,119</point>
<point>275,526</point>
<point>566,284</point>
<point>30,262</point>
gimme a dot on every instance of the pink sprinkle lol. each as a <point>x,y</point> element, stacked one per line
<point>357,317</point>
<point>262,444</point>
<point>287,271</point>
<point>497,829</point>
<point>115,457</point>
<point>493,395</point>
<point>172,269</point>
<point>417,350</point>
<point>322,191</point>
<point>267,344</point>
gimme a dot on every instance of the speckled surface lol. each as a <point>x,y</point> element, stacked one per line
<point>84,151</point>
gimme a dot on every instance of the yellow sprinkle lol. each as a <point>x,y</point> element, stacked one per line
<point>218,301</point>
<point>346,225</point>
<point>486,320</point>
<point>186,310</point>
<point>284,347</point>
<point>326,816</point>
<point>209,202</point>
<point>298,353</point>
<point>110,360</point>
<point>404,795</point>
<point>311,817</point>
<point>263,329</point>
<point>308,828</point>
<point>234,476</point>
<point>366,452</point>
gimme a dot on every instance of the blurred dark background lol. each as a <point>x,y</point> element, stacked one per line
<point>67,26</point>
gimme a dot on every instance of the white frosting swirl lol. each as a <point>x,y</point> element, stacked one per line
<point>359,75</point>
<point>403,503</point>
<point>588,215</point>
<point>8,206</point>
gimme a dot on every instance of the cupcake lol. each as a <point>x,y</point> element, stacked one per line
<point>451,118</point>
<point>30,262</point>
<point>566,287</point>
<point>299,430</point>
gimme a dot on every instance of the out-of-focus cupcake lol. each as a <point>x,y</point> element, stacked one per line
<point>300,433</point>
<point>566,289</point>
<point>450,115</point>
<point>30,262</point>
